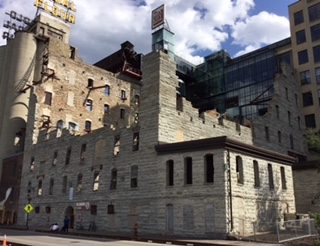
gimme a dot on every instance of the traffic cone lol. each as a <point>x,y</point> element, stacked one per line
<point>4,242</point>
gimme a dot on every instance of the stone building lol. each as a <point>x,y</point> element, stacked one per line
<point>118,144</point>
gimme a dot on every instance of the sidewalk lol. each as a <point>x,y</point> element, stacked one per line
<point>145,238</point>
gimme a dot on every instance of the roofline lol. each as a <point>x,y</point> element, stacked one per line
<point>223,142</point>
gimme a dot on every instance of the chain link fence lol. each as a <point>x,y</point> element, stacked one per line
<point>283,231</point>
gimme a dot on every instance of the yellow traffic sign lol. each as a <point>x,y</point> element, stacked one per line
<point>28,208</point>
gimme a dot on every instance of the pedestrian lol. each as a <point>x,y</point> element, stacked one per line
<point>54,227</point>
<point>65,227</point>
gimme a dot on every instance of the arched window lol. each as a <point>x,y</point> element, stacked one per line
<point>89,104</point>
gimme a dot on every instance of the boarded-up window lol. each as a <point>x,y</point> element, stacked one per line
<point>48,98</point>
<point>188,217</point>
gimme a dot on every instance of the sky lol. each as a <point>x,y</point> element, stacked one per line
<point>200,27</point>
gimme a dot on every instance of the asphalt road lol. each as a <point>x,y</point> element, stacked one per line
<point>40,239</point>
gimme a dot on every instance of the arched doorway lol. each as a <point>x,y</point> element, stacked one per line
<point>69,213</point>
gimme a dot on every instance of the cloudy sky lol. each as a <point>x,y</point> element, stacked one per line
<point>200,26</point>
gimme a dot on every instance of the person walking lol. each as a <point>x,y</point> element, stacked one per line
<point>65,227</point>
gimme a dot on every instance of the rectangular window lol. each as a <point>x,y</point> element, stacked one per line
<point>134,176</point>
<point>170,173</point>
<point>316,53</point>
<point>305,77</point>
<point>179,102</point>
<point>315,32</point>
<point>123,95</point>
<point>256,174</point>
<point>93,209</point>
<point>107,90</point>
<point>113,182</point>
<point>95,181</point>
<point>32,164</point>
<point>318,75</point>
<point>303,57</point>
<point>40,187</point>
<point>89,104</point>
<point>79,182</point>
<point>87,126</point>
<point>48,98</point>
<point>270,177</point>
<point>314,12</point>
<point>283,178</point>
<point>68,156</point>
<point>106,109</point>
<point>209,168</point>
<point>135,145</point>
<point>301,37</point>
<point>116,148</point>
<point>188,170</point>
<point>307,99</point>
<point>122,113</point>
<point>310,121</point>
<point>298,17</point>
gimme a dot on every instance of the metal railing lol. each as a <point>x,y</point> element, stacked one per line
<point>284,230</point>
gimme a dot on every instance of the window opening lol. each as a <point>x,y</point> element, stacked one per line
<point>64,184</point>
<point>51,186</point>
<point>96,181</point>
<point>68,156</point>
<point>122,113</point>
<point>32,164</point>
<point>270,176</point>
<point>116,148</point>
<point>90,83</point>
<point>79,182</point>
<point>170,173</point>
<point>83,152</point>
<point>283,178</point>
<point>209,168</point>
<point>106,109</point>
<point>87,126</point>
<point>266,129</point>
<point>113,183</point>
<point>123,95</point>
<point>136,100</point>
<point>179,102</point>
<point>239,170</point>
<point>134,176</point>
<point>277,112</point>
<point>89,104</point>
<point>107,90</point>
<point>135,146</point>
<point>256,174</point>
<point>93,209</point>
<point>188,170</point>
<point>40,187</point>
<point>48,98</point>
<point>55,158</point>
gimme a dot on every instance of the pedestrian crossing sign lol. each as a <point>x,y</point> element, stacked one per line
<point>28,208</point>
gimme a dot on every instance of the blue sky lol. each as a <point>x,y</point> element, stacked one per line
<point>239,26</point>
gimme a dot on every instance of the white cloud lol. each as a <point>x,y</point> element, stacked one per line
<point>199,25</point>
